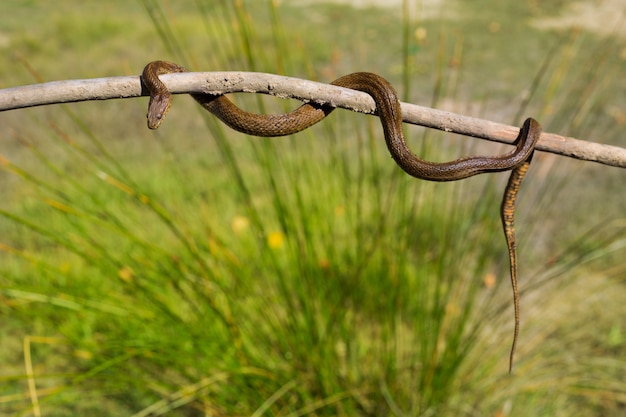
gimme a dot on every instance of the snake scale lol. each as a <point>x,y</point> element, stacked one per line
<point>389,112</point>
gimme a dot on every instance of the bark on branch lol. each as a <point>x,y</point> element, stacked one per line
<point>288,87</point>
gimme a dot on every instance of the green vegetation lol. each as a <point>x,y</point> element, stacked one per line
<point>197,271</point>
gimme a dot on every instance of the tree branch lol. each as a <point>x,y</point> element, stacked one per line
<point>288,87</point>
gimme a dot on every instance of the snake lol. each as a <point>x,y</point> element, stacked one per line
<point>389,111</point>
<point>507,215</point>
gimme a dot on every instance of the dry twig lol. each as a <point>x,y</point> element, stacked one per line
<point>288,87</point>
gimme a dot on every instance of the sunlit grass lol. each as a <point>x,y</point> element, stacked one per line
<point>203,272</point>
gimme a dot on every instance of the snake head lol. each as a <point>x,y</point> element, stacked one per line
<point>157,109</point>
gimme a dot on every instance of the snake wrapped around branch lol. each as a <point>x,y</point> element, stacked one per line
<point>389,112</point>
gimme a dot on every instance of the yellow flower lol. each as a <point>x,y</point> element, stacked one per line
<point>420,33</point>
<point>489,280</point>
<point>126,274</point>
<point>275,240</point>
<point>239,224</point>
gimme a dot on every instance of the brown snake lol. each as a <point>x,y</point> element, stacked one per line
<point>388,109</point>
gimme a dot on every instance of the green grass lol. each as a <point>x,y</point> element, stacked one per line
<point>196,271</point>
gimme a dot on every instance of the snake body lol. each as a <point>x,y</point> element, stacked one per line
<point>389,112</point>
<point>507,215</point>
<point>387,108</point>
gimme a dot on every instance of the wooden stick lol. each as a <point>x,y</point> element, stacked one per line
<point>305,90</point>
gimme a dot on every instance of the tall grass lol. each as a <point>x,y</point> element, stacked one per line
<point>218,274</point>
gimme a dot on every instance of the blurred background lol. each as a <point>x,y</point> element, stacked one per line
<point>197,271</point>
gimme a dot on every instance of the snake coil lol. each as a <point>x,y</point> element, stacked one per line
<point>389,112</point>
